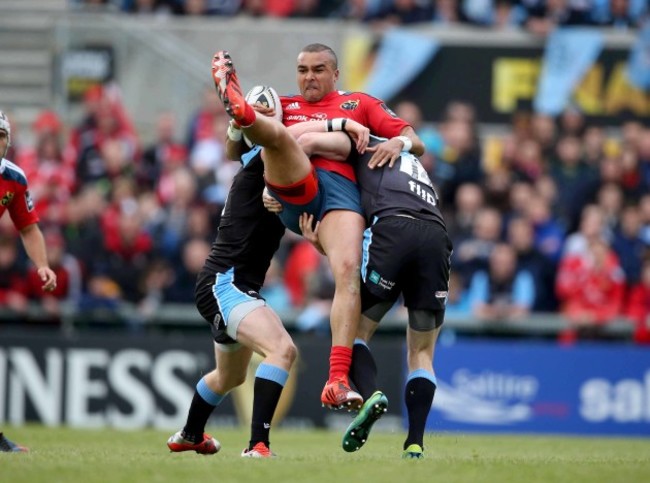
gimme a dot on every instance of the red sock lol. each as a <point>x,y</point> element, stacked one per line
<point>340,360</point>
<point>249,116</point>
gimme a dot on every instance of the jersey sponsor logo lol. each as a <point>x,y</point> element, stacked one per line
<point>388,109</point>
<point>6,199</point>
<point>292,107</point>
<point>381,281</point>
<point>350,105</point>
<point>319,115</point>
<point>419,190</point>
<point>297,118</point>
<point>29,201</point>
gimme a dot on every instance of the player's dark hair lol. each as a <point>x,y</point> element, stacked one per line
<point>322,48</point>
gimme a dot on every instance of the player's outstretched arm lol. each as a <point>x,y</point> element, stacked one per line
<point>34,244</point>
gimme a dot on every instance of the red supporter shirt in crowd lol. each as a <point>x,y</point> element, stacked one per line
<point>363,108</point>
<point>14,195</point>
<point>584,289</point>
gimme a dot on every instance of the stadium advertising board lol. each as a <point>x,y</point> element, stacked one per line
<point>498,80</point>
<point>84,68</point>
<point>129,382</point>
<point>542,388</point>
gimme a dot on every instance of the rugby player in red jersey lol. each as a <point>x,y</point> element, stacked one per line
<point>15,198</point>
<point>324,188</point>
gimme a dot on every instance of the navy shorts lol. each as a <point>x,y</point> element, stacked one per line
<point>335,192</point>
<point>223,303</point>
<point>408,256</point>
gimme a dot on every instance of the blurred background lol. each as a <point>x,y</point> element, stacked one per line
<point>536,119</point>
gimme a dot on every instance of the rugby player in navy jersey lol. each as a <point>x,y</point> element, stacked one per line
<point>227,296</point>
<point>406,250</point>
<point>15,198</point>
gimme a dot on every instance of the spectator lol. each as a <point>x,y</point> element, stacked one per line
<point>590,288</point>
<point>163,155</point>
<point>469,200</point>
<point>405,12</point>
<point>472,254</point>
<point>461,161</point>
<point>628,244</point>
<point>82,230</point>
<point>572,122</point>
<point>14,290</point>
<point>573,179</point>
<point>148,7</point>
<point>592,227</point>
<point>503,292</point>
<point>549,233</point>
<point>68,279</point>
<point>125,255</point>
<point>638,305</point>
<point>521,236</point>
<point>529,164</point>
<point>610,199</point>
<point>193,255</point>
<point>644,210</point>
<point>447,12</point>
<point>544,131</point>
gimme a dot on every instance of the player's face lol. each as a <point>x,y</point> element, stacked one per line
<point>4,143</point>
<point>317,75</point>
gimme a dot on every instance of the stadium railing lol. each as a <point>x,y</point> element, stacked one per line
<point>184,317</point>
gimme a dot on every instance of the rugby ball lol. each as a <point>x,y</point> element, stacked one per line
<point>268,97</point>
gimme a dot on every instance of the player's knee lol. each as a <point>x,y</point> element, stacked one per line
<point>346,268</point>
<point>350,277</point>
<point>237,380</point>
<point>285,350</point>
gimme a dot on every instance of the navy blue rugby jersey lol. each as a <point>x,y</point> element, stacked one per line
<point>248,233</point>
<point>404,189</point>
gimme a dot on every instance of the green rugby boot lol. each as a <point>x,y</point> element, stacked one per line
<point>357,433</point>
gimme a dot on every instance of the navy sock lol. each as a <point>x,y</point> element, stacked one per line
<point>269,382</point>
<point>363,371</point>
<point>203,403</point>
<point>418,396</point>
<point>197,418</point>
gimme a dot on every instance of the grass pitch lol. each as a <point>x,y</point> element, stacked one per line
<point>69,455</point>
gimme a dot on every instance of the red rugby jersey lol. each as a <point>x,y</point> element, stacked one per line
<point>14,195</point>
<point>363,108</point>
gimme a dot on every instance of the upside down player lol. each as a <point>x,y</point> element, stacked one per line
<point>325,189</point>
<point>227,296</point>
<point>406,250</point>
<point>15,198</point>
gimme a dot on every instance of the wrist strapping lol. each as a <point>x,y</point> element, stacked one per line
<point>234,133</point>
<point>336,124</point>
<point>408,144</point>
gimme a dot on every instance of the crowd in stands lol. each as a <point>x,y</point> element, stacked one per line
<point>537,16</point>
<point>553,216</point>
